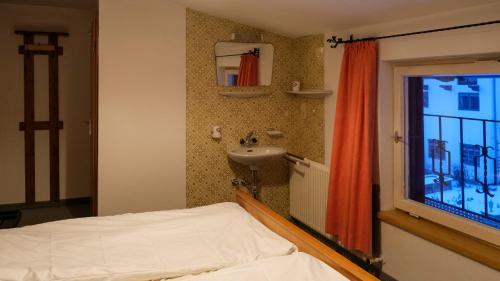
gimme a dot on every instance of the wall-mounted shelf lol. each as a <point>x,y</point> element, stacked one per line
<point>313,93</point>
<point>274,133</point>
<point>244,94</point>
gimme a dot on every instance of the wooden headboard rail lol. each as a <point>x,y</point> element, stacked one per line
<point>304,241</point>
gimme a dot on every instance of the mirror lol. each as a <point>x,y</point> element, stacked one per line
<point>244,64</point>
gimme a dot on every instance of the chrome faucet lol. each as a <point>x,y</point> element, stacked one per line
<point>249,139</point>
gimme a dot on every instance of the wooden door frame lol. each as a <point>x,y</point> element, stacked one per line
<point>94,99</point>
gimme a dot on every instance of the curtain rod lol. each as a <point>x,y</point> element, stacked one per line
<point>334,41</point>
<point>255,52</point>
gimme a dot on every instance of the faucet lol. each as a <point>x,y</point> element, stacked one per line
<point>249,139</point>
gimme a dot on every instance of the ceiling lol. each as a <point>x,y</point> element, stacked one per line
<point>299,17</point>
<point>304,17</point>
<point>75,4</point>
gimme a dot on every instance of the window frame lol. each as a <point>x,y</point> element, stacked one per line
<point>401,171</point>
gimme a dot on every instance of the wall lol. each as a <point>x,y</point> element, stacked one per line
<point>142,106</point>
<point>209,172</point>
<point>74,98</point>
<point>408,257</point>
<point>307,114</point>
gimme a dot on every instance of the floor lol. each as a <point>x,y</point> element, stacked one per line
<point>46,213</point>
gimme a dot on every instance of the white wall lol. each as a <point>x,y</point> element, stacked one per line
<point>142,106</point>
<point>408,257</point>
<point>74,102</point>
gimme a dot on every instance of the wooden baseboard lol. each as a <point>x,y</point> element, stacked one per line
<point>45,204</point>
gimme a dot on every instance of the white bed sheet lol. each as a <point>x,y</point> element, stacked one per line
<point>295,267</point>
<point>141,246</point>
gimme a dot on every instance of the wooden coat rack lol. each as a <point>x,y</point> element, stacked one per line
<point>29,49</point>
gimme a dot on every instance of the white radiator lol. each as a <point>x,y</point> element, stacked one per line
<point>308,194</point>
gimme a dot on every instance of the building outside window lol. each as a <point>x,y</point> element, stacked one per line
<point>444,122</point>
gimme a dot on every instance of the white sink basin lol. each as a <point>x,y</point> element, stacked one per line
<point>253,156</point>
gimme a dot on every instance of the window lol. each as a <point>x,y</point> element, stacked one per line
<point>435,152</point>
<point>426,96</point>
<point>448,88</point>
<point>469,81</point>
<point>468,101</point>
<point>232,79</point>
<point>466,80</point>
<point>474,88</point>
<point>227,75</point>
<point>437,175</point>
<point>470,151</point>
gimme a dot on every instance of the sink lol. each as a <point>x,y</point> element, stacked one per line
<point>253,156</point>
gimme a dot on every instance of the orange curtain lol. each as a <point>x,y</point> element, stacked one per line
<point>248,72</point>
<point>349,210</point>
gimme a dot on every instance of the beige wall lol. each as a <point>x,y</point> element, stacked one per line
<point>142,106</point>
<point>408,257</point>
<point>209,172</point>
<point>74,97</point>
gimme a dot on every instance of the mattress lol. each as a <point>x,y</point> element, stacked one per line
<point>141,246</point>
<point>295,267</point>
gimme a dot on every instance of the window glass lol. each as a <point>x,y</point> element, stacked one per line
<point>468,101</point>
<point>454,145</point>
<point>471,154</point>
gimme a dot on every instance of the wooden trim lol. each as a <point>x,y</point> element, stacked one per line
<point>458,242</point>
<point>40,49</point>
<point>39,32</point>
<point>304,241</point>
<point>29,49</point>
<point>94,99</point>
<point>45,204</point>
<point>40,125</point>
<point>29,118</point>
<point>54,120</point>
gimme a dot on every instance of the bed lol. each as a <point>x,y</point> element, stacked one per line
<point>295,267</point>
<point>303,241</point>
<point>156,245</point>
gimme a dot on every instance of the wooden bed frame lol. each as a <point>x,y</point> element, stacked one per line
<point>304,241</point>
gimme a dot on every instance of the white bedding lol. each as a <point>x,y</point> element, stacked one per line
<point>295,267</point>
<point>142,246</point>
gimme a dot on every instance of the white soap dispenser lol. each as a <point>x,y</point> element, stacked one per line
<point>216,133</point>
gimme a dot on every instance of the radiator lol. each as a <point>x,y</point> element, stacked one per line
<point>308,194</point>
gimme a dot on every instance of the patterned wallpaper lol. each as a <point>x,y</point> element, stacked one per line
<point>209,171</point>
<point>307,115</point>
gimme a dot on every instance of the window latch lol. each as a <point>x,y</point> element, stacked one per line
<point>397,138</point>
